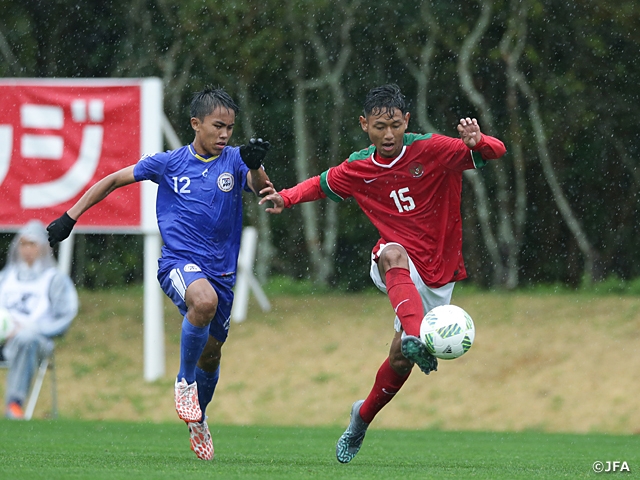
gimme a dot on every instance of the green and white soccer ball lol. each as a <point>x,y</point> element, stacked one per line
<point>447,331</point>
<point>6,324</point>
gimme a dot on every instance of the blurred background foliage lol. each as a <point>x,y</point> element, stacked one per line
<point>556,81</point>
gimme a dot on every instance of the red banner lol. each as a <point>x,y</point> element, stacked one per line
<point>56,140</point>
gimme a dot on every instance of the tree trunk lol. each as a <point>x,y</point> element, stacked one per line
<point>506,254</point>
<point>589,253</point>
<point>321,247</point>
<point>421,72</point>
<point>309,209</point>
<point>512,45</point>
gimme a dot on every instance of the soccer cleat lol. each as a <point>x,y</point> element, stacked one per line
<point>187,404</point>
<point>416,351</point>
<point>14,411</point>
<point>351,440</point>
<point>201,443</point>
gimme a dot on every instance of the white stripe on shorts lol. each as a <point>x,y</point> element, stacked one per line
<point>177,280</point>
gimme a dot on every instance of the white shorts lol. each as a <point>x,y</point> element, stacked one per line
<point>431,297</point>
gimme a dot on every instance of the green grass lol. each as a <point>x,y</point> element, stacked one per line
<point>66,449</point>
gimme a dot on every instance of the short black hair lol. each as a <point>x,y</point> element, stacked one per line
<point>384,99</point>
<point>210,98</point>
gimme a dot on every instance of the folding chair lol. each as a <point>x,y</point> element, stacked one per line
<point>46,364</point>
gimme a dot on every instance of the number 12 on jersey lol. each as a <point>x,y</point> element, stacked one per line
<point>184,183</point>
<point>404,203</point>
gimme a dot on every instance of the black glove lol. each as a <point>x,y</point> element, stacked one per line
<point>254,152</point>
<point>60,229</point>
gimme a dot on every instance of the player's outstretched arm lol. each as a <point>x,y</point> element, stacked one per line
<point>469,131</point>
<point>307,191</point>
<point>61,227</point>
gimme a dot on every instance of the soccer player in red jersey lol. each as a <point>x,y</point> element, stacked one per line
<point>409,185</point>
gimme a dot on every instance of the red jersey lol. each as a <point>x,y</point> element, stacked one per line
<point>413,199</point>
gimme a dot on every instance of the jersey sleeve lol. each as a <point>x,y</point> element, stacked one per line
<point>336,182</point>
<point>488,148</point>
<point>452,152</point>
<point>151,167</point>
<point>306,191</point>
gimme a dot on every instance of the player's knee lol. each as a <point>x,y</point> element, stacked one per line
<point>394,256</point>
<point>400,364</point>
<point>202,302</point>
<point>205,307</point>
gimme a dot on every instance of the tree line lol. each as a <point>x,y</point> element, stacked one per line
<point>553,80</point>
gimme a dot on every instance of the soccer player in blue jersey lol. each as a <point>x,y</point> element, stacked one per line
<point>199,213</point>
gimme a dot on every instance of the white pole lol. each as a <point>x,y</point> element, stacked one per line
<point>248,245</point>
<point>154,357</point>
<point>170,134</point>
<point>151,114</point>
<point>245,280</point>
<point>65,254</point>
<point>256,288</point>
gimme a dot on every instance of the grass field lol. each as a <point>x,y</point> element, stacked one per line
<point>76,449</point>
<point>549,387</point>
<point>549,362</point>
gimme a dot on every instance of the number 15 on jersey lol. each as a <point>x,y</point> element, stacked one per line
<point>404,203</point>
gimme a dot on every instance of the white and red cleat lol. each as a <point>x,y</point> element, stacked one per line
<point>201,442</point>
<point>187,404</point>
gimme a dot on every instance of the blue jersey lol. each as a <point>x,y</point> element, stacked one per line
<point>199,205</point>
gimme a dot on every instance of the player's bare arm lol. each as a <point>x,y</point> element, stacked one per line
<point>61,227</point>
<point>258,180</point>
<point>469,131</point>
<point>101,189</point>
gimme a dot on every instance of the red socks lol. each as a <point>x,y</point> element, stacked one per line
<point>387,384</point>
<point>407,304</point>
<point>405,300</point>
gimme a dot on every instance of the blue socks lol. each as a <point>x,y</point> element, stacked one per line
<point>207,382</point>
<point>192,342</point>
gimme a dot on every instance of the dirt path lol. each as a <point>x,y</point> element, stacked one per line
<point>551,363</point>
